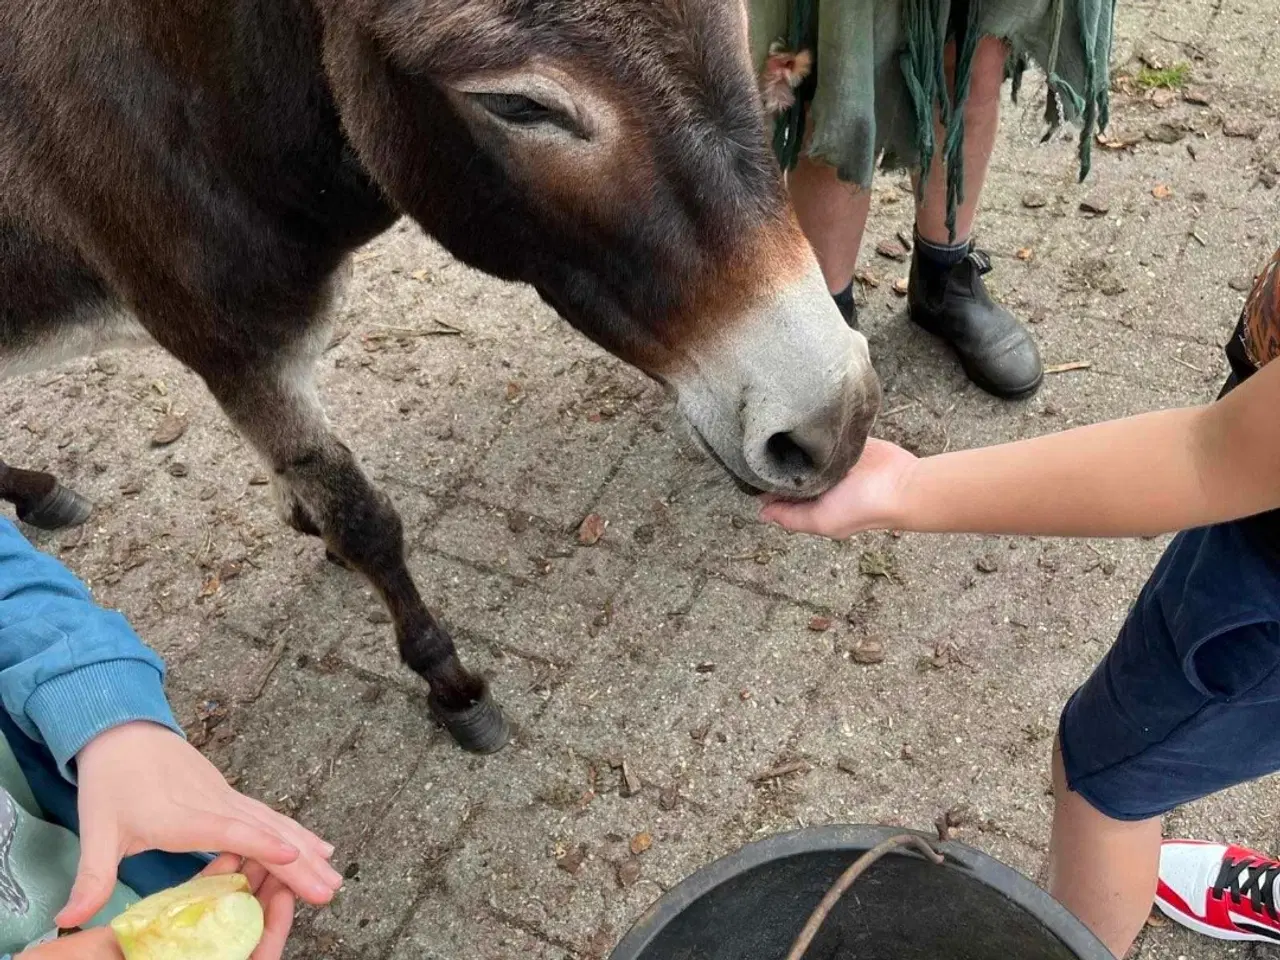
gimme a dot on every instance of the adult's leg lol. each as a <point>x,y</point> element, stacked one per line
<point>1102,870</point>
<point>947,295</point>
<point>981,124</point>
<point>833,216</point>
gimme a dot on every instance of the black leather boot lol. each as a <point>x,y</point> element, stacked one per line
<point>952,302</point>
<point>847,305</point>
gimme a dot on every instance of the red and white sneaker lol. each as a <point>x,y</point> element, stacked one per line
<point>1220,890</point>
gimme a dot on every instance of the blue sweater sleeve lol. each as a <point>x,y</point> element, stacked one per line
<point>69,670</point>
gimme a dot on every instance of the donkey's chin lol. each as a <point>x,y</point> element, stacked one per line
<point>752,487</point>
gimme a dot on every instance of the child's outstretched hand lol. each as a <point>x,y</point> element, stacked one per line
<point>870,497</point>
<point>143,787</point>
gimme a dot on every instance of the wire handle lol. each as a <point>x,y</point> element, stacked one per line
<point>845,880</point>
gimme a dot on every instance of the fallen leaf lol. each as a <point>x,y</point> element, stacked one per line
<point>211,586</point>
<point>1096,204</point>
<point>591,530</point>
<point>571,862</point>
<point>820,624</point>
<point>1117,143</point>
<point>1165,133</point>
<point>1161,191</point>
<point>1241,127</point>
<point>640,843</point>
<point>868,651</point>
<point>1068,367</point>
<point>900,286</point>
<point>875,563</point>
<point>628,872</point>
<point>171,428</point>
<point>1025,253</point>
<point>892,250</point>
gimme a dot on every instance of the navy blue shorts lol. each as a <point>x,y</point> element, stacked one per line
<point>1187,701</point>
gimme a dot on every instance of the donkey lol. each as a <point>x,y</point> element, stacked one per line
<point>195,175</point>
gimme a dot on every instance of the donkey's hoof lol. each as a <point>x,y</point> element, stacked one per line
<point>61,507</point>
<point>479,728</point>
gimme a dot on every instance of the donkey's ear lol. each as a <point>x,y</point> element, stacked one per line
<point>402,126</point>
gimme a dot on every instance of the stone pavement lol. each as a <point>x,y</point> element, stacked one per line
<point>685,643</point>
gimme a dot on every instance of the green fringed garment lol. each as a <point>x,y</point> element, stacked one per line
<point>878,74</point>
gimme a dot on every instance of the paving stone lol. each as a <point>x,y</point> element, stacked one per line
<point>683,643</point>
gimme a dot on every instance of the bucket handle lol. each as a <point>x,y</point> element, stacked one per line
<point>845,880</point>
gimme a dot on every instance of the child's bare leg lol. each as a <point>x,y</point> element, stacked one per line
<point>1102,870</point>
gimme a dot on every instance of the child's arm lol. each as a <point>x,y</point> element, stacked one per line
<point>78,679</point>
<point>1140,476</point>
<point>68,668</point>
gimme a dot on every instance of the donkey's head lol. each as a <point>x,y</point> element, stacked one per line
<point>612,153</point>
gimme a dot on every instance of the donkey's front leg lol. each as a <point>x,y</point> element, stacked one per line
<point>282,418</point>
<point>41,500</point>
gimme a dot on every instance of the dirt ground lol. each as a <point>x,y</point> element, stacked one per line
<point>683,643</point>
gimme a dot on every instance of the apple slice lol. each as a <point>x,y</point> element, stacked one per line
<point>208,918</point>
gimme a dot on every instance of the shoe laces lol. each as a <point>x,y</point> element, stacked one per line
<point>1252,878</point>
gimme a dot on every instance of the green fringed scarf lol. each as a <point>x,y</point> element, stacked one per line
<point>927,27</point>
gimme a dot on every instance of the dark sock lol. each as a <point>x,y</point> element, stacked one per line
<point>942,254</point>
<point>845,302</point>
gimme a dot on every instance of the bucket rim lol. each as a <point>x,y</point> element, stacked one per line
<point>857,839</point>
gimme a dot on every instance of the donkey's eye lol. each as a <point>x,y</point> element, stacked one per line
<point>521,111</point>
<point>514,108</point>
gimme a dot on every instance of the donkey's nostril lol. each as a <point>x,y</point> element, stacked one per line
<point>788,457</point>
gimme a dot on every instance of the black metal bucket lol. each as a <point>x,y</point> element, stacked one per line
<point>752,904</point>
